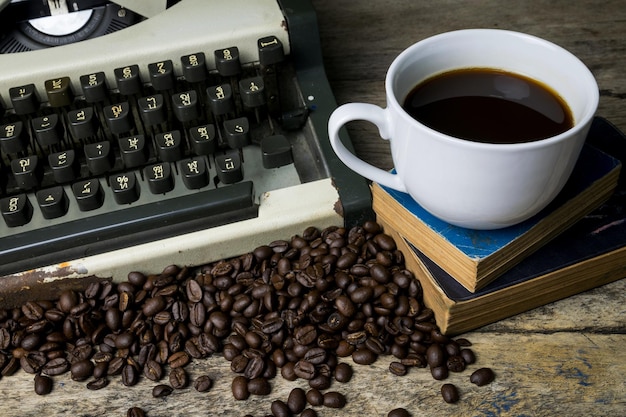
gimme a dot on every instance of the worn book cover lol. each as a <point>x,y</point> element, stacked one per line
<point>590,253</point>
<point>477,257</point>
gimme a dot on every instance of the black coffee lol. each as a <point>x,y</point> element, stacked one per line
<point>489,105</point>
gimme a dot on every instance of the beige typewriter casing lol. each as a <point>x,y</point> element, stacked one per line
<point>187,27</point>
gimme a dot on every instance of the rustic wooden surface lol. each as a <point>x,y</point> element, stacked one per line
<point>564,359</point>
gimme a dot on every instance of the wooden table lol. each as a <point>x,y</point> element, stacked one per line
<point>565,359</point>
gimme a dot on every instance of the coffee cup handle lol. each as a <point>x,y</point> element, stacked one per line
<point>370,113</point>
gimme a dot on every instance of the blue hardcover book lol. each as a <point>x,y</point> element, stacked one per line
<point>590,253</point>
<point>476,257</point>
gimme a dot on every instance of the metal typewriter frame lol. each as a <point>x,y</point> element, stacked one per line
<point>346,192</point>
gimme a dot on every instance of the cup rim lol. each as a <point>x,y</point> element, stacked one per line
<point>581,123</point>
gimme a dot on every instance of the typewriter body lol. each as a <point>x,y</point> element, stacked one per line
<point>190,135</point>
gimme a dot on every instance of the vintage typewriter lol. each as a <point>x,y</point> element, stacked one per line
<point>160,132</point>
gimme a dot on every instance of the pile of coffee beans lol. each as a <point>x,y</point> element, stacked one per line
<point>293,307</point>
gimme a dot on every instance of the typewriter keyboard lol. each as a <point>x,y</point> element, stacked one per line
<point>125,156</point>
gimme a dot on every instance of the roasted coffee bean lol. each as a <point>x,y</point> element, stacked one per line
<point>259,386</point>
<point>398,412</point>
<point>81,370</point>
<point>334,399</point>
<point>397,368</point>
<point>56,366</point>
<point>203,383</point>
<point>153,305</point>
<point>315,355</point>
<point>130,375</point>
<point>97,384</point>
<point>482,376</point>
<point>115,366</point>
<point>255,367</point>
<point>455,364</point>
<point>135,412</point>
<point>296,400</point>
<point>11,367</point>
<point>304,369</point>
<point>309,412</point>
<point>321,382</point>
<point>153,370</point>
<point>239,388</point>
<point>178,359</point>
<point>468,356</point>
<point>161,390</point>
<point>343,372</point>
<point>364,356</point>
<point>280,409</point>
<point>435,355</point>
<point>315,397</point>
<point>449,393</point>
<point>68,299</point>
<point>194,291</point>
<point>100,369</point>
<point>439,372</point>
<point>179,378</point>
<point>43,385</point>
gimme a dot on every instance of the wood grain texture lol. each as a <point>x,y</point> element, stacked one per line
<point>564,359</point>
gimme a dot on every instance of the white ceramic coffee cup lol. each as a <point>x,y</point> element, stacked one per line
<point>466,183</point>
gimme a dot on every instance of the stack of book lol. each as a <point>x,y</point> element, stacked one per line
<point>471,278</point>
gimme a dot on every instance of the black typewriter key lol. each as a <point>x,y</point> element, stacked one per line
<point>24,99</point>
<point>128,80</point>
<point>27,171</point>
<point>185,106</point>
<point>48,129</point>
<point>125,189</point>
<point>203,140</point>
<point>16,210</point>
<point>94,87</point>
<point>152,109</point>
<point>221,99</point>
<point>119,118</point>
<point>134,151</point>
<point>159,177</point>
<point>169,146</point>
<point>237,132</point>
<point>99,157</point>
<point>276,151</point>
<point>227,61</point>
<point>64,165</point>
<point>82,123</point>
<point>161,75</point>
<point>194,67</point>
<point>229,168</point>
<point>270,50</point>
<point>52,202</point>
<point>252,92</point>
<point>13,137</point>
<point>194,173</point>
<point>59,92</point>
<point>88,194</point>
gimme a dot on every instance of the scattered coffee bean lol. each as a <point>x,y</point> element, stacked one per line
<point>135,412</point>
<point>334,399</point>
<point>280,409</point>
<point>343,372</point>
<point>398,412</point>
<point>43,385</point>
<point>161,390</point>
<point>449,393</point>
<point>293,306</point>
<point>308,412</point>
<point>296,400</point>
<point>240,388</point>
<point>259,386</point>
<point>482,376</point>
<point>203,383</point>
